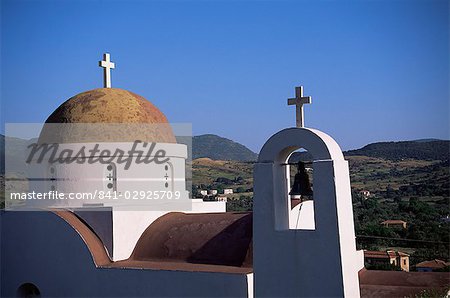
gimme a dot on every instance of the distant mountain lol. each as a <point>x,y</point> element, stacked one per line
<point>420,149</point>
<point>210,146</point>
<point>427,140</point>
<point>218,148</point>
<point>300,156</point>
<point>424,149</point>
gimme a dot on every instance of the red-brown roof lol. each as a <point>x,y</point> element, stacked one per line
<point>212,256</point>
<point>434,264</point>
<point>374,254</point>
<point>377,283</point>
<point>203,238</point>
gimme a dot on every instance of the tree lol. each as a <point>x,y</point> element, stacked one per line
<point>240,189</point>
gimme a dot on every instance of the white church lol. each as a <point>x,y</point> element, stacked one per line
<point>127,248</point>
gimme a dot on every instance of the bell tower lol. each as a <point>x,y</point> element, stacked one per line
<point>304,262</point>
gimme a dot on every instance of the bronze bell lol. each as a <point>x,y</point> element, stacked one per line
<point>301,182</point>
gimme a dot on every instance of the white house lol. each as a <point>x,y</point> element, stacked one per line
<point>212,192</point>
<point>221,198</point>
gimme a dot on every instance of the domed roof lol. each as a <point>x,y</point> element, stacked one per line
<point>124,115</point>
<point>107,105</point>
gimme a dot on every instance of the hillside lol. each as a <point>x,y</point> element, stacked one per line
<point>422,149</point>
<point>206,171</point>
<point>13,153</point>
<point>218,148</point>
<point>415,190</point>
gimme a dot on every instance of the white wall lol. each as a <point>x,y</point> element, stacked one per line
<point>41,248</point>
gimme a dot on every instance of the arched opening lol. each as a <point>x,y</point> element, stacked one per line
<point>272,160</point>
<point>300,188</point>
<point>28,290</point>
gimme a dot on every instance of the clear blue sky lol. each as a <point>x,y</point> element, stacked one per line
<point>376,70</point>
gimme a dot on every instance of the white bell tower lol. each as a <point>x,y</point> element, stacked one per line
<point>295,262</point>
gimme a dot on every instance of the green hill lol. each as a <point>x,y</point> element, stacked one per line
<point>218,148</point>
<point>423,150</point>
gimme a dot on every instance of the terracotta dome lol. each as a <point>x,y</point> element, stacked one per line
<point>108,115</point>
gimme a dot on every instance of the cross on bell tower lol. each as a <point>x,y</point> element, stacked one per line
<point>299,100</point>
<point>107,66</point>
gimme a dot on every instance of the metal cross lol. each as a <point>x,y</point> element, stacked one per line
<point>107,66</point>
<point>299,101</point>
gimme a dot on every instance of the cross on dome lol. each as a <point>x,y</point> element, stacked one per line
<point>299,100</point>
<point>107,66</point>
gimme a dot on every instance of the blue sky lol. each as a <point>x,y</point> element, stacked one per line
<point>376,70</point>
